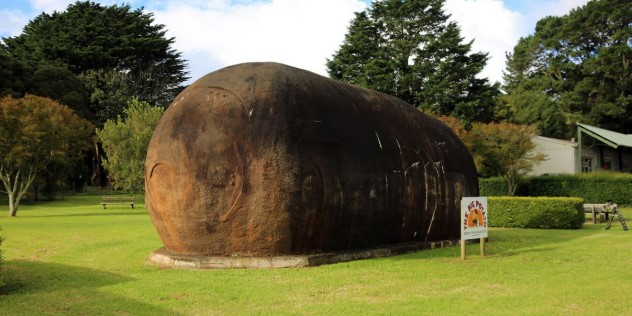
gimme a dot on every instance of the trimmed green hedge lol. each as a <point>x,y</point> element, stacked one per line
<point>535,212</point>
<point>598,187</point>
<point>492,187</point>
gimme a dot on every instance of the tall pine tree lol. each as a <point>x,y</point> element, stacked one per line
<point>574,68</point>
<point>410,49</point>
<point>89,38</point>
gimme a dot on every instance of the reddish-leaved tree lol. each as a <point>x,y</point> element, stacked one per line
<point>35,131</point>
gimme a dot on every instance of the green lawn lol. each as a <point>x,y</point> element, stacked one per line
<point>71,257</point>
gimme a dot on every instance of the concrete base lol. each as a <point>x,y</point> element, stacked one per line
<point>164,258</point>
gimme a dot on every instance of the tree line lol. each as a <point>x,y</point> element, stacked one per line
<point>574,68</point>
<point>110,66</point>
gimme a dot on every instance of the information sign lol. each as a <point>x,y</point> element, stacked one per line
<point>473,218</point>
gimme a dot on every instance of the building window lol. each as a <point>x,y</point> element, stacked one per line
<point>587,165</point>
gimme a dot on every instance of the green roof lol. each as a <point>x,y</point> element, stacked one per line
<point>610,138</point>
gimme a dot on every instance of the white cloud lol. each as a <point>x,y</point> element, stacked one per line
<point>494,29</point>
<point>554,8</point>
<point>298,33</point>
<point>49,6</point>
<point>303,33</point>
<point>12,22</point>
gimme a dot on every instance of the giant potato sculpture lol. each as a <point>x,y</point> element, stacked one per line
<point>262,159</point>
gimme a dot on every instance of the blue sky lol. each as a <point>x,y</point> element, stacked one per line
<point>213,34</point>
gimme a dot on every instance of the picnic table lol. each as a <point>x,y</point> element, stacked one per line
<point>604,210</point>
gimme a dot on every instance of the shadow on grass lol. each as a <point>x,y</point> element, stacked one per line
<point>507,242</point>
<point>31,276</point>
<point>36,288</point>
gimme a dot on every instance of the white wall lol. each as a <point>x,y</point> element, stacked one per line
<point>560,156</point>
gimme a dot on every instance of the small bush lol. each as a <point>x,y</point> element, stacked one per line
<point>536,212</point>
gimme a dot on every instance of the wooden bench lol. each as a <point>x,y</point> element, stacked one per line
<point>105,200</point>
<point>603,210</point>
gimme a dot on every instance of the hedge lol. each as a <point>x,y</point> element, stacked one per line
<point>535,212</point>
<point>598,187</point>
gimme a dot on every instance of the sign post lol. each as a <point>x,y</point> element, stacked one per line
<point>473,221</point>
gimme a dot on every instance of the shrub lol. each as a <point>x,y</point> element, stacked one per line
<point>597,187</point>
<point>536,212</point>
<point>493,187</point>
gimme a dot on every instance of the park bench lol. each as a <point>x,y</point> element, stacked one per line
<point>603,210</point>
<point>105,200</point>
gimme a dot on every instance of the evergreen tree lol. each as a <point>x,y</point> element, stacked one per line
<point>13,75</point>
<point>61,85</point>
<point>91,37</point>
<point>575,68</point>
<point>410,49</point>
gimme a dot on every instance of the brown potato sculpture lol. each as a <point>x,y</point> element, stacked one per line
<point>263,159</point>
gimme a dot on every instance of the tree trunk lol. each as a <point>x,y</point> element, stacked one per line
<point>17,188</point>
<point>512,184</point>
<point>98,175</point>
<point>13,206</point>
<point>512,189</point>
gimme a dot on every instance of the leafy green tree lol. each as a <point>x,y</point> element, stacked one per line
<point>535,108</point>
<point>575,68</point>
<point>125,143</point>
<point>109,93</point>
<point>91,37</point>
<point>410,49</point>
<point>35,132</point>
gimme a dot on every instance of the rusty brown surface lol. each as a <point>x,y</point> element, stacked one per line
<point>263,159</point>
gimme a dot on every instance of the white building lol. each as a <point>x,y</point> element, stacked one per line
<point>560,156</point>
<point>596,149</point>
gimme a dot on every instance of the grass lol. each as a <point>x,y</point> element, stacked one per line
<point>71,257</point>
